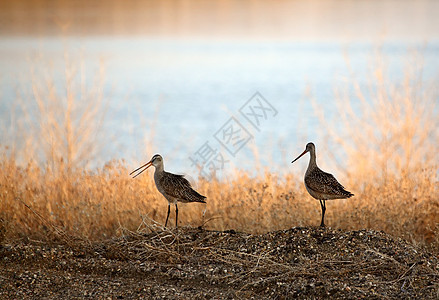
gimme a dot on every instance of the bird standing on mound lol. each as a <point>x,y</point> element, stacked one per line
<point>321,185</point>
<point>175,188</point>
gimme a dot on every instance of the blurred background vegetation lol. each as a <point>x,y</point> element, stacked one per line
<point>378,134</point>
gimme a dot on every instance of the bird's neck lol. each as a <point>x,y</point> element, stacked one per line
<point>159,169</point>
<point>312,160</point>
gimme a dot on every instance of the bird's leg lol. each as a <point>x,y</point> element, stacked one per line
<point>323,205</point>
<point>176,215</point>
<point>169,210</point>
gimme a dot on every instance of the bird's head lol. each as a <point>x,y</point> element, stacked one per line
<point>156,160</point>
<point>309,147</point>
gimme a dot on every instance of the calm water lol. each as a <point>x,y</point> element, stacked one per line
<point>199,84</point>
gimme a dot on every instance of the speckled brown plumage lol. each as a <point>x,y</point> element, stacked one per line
<point>175,188</point>
<point>321,185</point>
<point>325,185</point>
<point>178,187</point>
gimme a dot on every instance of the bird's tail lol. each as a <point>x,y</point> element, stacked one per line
<point>196,197</point>
<point>348,194</point>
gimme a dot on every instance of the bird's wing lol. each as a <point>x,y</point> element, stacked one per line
<point>323,182</point>
<point>179,187</point>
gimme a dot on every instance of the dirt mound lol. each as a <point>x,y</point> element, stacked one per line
<point>197,264</point>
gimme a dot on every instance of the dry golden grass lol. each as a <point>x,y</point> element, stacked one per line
<point>391,150</point>
<point>95,205</point>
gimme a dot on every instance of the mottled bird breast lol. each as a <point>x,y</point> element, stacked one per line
<point>324,186</point>
<point>176,188</point>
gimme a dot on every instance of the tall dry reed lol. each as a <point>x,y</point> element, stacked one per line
<point>389,132</point>
<point>62,117</point>
<point>389,137</point>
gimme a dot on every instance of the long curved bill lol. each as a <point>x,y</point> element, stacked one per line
<point>300,156</point>
<point>145,166</point>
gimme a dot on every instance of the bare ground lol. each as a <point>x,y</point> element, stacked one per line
<point>193,263</point>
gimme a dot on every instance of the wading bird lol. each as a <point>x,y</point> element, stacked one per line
<point>175,188</point>
<point>321,185</point>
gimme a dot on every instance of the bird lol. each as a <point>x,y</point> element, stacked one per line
<point>175,188</point>
<point>321,185</point>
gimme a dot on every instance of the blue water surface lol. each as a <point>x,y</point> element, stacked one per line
<point>171,96</point>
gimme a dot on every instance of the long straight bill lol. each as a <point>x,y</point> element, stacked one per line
<point>300,156</point>
<point>145,166</point>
